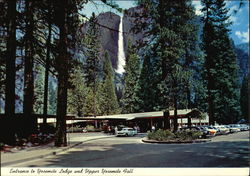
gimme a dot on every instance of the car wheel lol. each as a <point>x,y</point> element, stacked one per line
<point>126,134</point>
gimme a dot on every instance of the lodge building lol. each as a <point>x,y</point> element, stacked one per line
<point>145,120</point>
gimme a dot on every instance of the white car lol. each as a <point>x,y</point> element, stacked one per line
<point>244,127</point>
<point>236,126</point>
<point>126,132</point>
<point>232,129</point>
<point>223,129</point>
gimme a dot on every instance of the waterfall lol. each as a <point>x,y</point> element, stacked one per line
<point>121,55</point>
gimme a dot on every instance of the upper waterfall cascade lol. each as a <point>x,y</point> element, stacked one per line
<point>121,55</point>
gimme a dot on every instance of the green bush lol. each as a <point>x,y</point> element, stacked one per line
<point>188,135</point>
<point>166,135</point>
<point>161,135</point>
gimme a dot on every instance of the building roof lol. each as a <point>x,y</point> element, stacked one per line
<point>155,114</point>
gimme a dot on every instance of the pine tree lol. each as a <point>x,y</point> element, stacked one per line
<point>38,89</point>
<point>92,65</point>
<point>146,91</point>
<point>244,98</point>
<point>220,64</point>
<point>92,53</point>
<point>131,76</point>
<point>52,91</point>
<point>28,68</point>
<point>8,56</point>
<point>62,65</point>
<point>77,93</point>
<point>109,104</point>
<point>170,24</point>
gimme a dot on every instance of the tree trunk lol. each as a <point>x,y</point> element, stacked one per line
<point>29,121</point>
<point>62,67</point>
<point>47,66</point>
<point>175,114</point>
<point>166,120</point>
<point>10,68</point>
<point>210,109</point>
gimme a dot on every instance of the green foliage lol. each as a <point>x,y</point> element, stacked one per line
<point>161,135</point>
<point>52,98</point>
<point>168,70</point>
<point>92,53</point>
<point>165,135</point>
<point>107,96</point>
<point>147,84</point>
<point>244,98</point>
<point>38,89</point>
<point>131,76</point>
<point>77,94</point>
<point>188,135</point>
<point>220,64</point>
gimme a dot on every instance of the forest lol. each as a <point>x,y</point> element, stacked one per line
<point>51,66</point>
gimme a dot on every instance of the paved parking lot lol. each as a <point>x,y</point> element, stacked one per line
<point>223,151</point>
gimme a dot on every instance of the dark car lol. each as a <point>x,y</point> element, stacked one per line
<point>195,128</point>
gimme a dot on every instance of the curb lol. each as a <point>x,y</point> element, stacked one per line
<point>174,142</point>
<point>50,153</point>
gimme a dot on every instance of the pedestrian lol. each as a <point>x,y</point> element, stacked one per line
<point>153,128</point>
<point>109,130</point>
<point>116,129</point>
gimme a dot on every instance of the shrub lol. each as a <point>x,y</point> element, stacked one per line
<point>161,135</point>
<point>166,135</point>
<point>188,135</point>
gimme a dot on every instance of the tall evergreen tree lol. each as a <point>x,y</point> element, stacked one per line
<point>244,98</point>
<point>62,64</point>
<point>92,66</point>
<point>146,91</point>
<point>28,99</point>
<point>52,99</point>
<point>77,93</point>
<point>131,76</point>
<point>109,104</point>
<point>220,64</point>
<point>170,24</point>
<point>47,61</point>
<point>38,89</point>
<point>92,53</point>
<point>11,58</point>
<point>8,19</point>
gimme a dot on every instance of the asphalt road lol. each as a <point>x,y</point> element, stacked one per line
<point>223,151</point>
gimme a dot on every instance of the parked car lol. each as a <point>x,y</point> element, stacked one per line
<point>196,128</point>
<point>126,132</point>
<point>244,127</point>
<point>237,126</point>
<point>212,131</point>
<point>222,129</point>
<point>232,129</point>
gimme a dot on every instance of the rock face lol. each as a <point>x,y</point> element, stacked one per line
<point>129,21</point>
<point>109,36</point>
<point>108,24</point>
<point>108,32</point>
<point>242,53</point>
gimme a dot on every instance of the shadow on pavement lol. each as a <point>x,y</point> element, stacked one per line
<point>213,154</point>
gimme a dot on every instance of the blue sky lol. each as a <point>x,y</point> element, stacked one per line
<point>239,28</point>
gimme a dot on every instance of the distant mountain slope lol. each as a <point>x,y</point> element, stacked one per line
<point>242,53</point>
<point>108,34</point>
